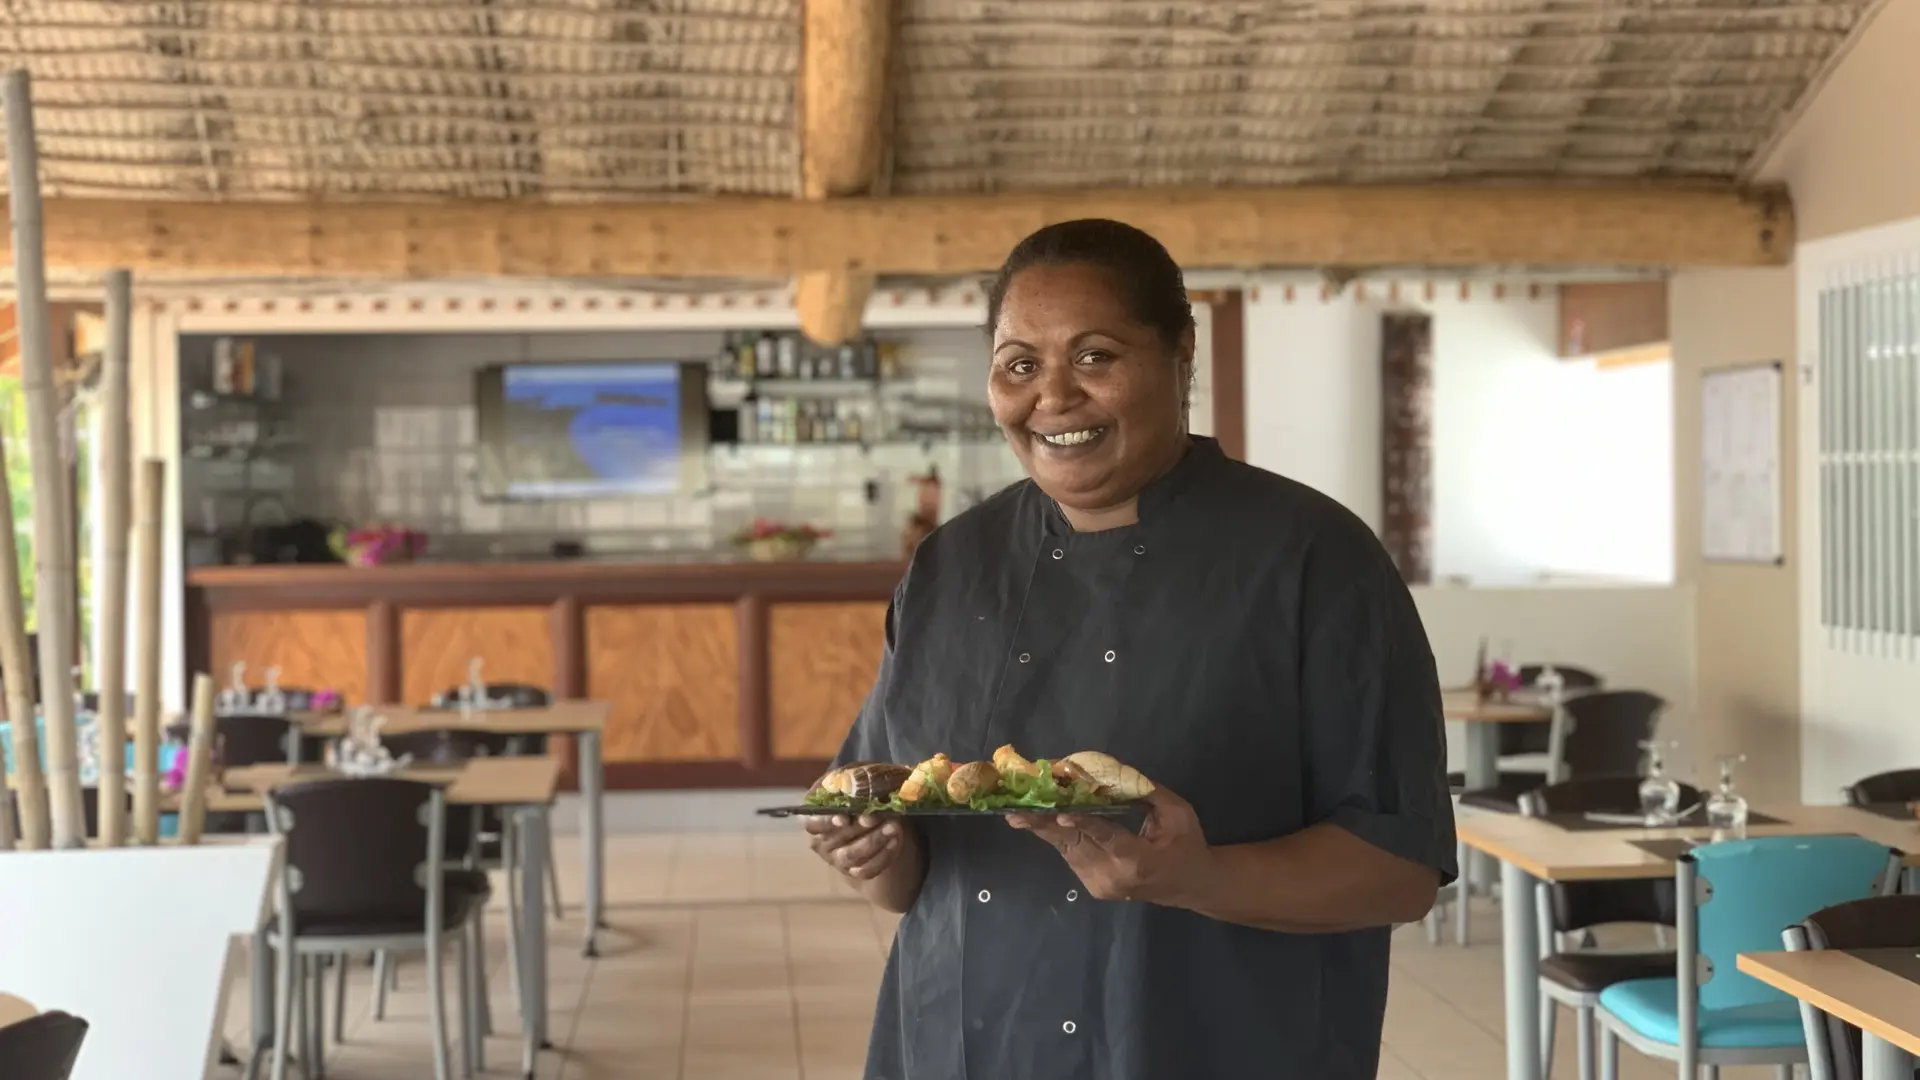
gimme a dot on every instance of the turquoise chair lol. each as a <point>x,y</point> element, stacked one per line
<point>1744,892</point>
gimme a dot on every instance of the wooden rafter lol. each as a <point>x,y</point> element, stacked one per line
<point>1360,227</point>
<point>843,91</point>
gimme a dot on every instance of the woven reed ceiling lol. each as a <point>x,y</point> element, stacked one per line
<point>620,99</point>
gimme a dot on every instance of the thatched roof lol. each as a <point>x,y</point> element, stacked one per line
<point>598,99</point>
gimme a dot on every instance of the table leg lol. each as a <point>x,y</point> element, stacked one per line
<point>260,987</point>
<point>532,843</point>
<point>1881,1060</point>
<point>593,835</point>
<point>1520,947</point>
<point>1483,771</point>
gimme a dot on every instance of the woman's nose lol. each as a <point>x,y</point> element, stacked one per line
<point>1059,390</point>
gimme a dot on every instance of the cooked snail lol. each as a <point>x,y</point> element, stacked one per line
<point>1118,781</point>
<point>865,780</point>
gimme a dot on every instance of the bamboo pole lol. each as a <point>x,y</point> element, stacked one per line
<point>146,654</point>
<point>193,795</point>
<point>115,459</point>
<point>52,554</point>
<point>16,669</point>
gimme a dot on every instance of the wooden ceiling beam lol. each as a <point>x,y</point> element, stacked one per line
<point>1356,227</point>
<point>843,99</point>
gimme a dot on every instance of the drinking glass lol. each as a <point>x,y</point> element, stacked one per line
<point>1727,808</point>
<point>1659,793</point>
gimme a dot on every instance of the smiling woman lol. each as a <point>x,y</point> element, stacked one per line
<point>1239,639</point>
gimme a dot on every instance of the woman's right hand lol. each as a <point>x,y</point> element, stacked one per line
<point>862,848</point>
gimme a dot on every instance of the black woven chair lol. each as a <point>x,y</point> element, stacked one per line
<point>1574,977</point>
<point>1881,922</point>
<point>366,872</point>
<point>1895,786</point>
<point>42,1047</point>
<point>512,696</point>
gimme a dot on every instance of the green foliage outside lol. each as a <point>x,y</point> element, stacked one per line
<point>13,427</point>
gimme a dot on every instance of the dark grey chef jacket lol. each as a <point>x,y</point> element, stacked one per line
<point>1248,645</point>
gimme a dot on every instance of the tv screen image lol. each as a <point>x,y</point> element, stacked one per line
<point>584,430</point>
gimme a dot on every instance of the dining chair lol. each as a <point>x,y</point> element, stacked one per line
<point>41,1047</point>
<point>1574,976</point>
<point>365,871</point>
<point>513,695</point>
<point>1893,786</point>
<point>1526,740</point>
<point>464,846</point>
<point>1879,922</point>
<point>250,739</point>
<point>1601,733</point>
<point>1733,897</point>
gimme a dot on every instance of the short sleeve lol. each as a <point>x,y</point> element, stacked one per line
<point>867,740</point>
<point>1375,730</point>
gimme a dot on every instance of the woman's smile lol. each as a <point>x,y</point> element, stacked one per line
<point>1070,443</point>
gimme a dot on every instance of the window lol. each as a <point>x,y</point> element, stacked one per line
<point>1869,455</point>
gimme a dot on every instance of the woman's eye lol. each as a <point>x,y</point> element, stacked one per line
<point>1095,356</point>
<point>1022,367</point>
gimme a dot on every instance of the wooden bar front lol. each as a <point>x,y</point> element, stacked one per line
<point>718,674</point>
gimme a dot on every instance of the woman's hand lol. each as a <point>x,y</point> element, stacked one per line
<point>861,848</point>
<point>1168,863</point>
<point>881,855</point>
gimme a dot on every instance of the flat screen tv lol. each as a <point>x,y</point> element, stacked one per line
<point>589,430</point>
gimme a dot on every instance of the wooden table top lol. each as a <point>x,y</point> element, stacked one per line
<point>1551,853</point>
<point>491,781</point>
<point>1869,997</point>
<point>1464,706</point>
<point>559,718</point>
<point>14,1009</point>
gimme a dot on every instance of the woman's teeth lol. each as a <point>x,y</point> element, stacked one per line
<point>1073,438</point>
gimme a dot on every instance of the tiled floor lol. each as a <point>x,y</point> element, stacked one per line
<point>738,956</point>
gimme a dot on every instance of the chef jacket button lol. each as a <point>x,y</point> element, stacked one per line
<point>1024,657</point>
<point>976,1023</point>
<point>1139,549</point>
<point>1109,656</point>
<point>985,896</point>
<point>1058,554</point>
<point>1068,1027</point>
<point>1072,895</point>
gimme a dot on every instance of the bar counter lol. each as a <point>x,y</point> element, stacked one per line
<point>718,674</point>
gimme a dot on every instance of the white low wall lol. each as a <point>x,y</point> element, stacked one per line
<point>1633,637</point>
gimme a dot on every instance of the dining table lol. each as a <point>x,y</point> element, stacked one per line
<point>523,786</point>
<point>1531,850</point>
<point>584,721</point>
<point>1875,990</point>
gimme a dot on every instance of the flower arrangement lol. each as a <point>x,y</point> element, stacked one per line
<point>775,541</point>
<point>377,545</point>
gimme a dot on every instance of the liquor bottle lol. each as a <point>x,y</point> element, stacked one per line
<point>748,422</point>
<point>766,360</point>
<point>744,356</point>
<point>849,355</point>
<point>789,356</point>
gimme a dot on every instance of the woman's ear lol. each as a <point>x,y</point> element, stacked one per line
<point>1184,371</point>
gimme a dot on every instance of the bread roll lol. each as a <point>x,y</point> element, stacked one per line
<point>928,776</point>
<point>1008,761</point>
<point>1118,781</point>
<point>973,780</point>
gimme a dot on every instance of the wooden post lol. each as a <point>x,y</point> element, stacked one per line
<point>52,554</point>
<point>193,793</point>
<point>1406,450</point>
<point>16,669</point>
<point>115,459</point>
<point>146,716</point>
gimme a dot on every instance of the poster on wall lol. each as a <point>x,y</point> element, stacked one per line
<point>1740,463</point>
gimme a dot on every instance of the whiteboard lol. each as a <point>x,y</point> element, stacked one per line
<point>1740,462</point>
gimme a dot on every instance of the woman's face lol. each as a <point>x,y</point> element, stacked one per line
<point>1091,399</point>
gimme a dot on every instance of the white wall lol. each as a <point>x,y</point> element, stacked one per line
<point>1639,637</point>
<point>1542,467</point>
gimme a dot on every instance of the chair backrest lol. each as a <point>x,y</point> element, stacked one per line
<point>42,1047</point>
<point>1895,786</point>
<point>1571,678</point>
<point>1581,904</point>
<point>1744,891</point>
<point>1878,922</point>
<point>434,747</point>
<point>516,695</point>
<point>359,851</point>
<point>1604,731</point>
<point>254,739</point>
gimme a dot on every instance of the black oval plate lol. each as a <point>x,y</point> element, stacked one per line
<point>1105,810</point>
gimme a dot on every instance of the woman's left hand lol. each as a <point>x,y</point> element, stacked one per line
<point>1167,864</point>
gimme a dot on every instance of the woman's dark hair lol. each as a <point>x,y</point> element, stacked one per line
<point>1146,276</point>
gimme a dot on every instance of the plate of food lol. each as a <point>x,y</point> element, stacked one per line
<point>1087,782</point>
